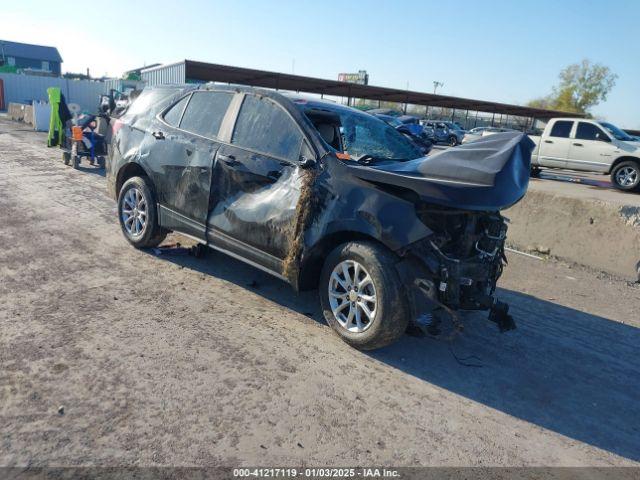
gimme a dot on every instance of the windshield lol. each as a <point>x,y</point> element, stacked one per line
<point>366,135</point>
<point>617,133</point>
<point>394,122</point>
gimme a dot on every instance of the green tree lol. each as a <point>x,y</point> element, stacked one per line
<point>582,86</point>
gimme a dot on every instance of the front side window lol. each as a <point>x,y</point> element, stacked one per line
<point>265,127</point>
<point>204,113</point>
<point>365,135</point>
<point>588,131</point>
<point>561,129</point>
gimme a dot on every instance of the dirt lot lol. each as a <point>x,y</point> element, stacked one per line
<point>173,360</point>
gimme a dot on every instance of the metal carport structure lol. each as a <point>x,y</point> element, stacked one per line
<point>193,71</point>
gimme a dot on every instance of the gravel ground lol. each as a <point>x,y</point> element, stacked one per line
<point>173,360</point>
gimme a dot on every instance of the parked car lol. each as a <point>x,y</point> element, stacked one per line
<point>591,146</point>
<point>445,132</point>
<point>479,132</point>
<point>417,136</point>
<point>320,195</point>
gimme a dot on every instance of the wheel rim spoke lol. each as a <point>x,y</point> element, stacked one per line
<point>365,282</point>
<point>359,324</point>
<point>366,310</point>
<point>338,280</point>
<point>368,298</point>
<point>338,295</point>
<point>345,273</point>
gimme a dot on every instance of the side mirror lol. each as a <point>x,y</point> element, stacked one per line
<point>307,162</point>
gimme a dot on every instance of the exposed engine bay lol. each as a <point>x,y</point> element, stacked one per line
<point>461,261</point>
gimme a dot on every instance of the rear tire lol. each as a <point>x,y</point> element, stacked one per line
<point>137,214</point>
<point>378,323</point>
<point>626,176</point>
<point>76,161</point>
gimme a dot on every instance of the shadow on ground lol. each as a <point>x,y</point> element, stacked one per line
<point>564,370</point>
<point>94,170</point>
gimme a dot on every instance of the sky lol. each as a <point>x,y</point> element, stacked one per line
<point>496,50</point>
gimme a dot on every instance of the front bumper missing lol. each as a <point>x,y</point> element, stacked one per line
<point>436,281</point>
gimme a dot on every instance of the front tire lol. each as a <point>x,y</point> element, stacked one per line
<point>626,176</point>
<point>137,214</point>
<point>362,297</point>
<point>453,141</point>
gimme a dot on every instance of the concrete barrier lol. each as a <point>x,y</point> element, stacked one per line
<point>21,113</point>
<point>598,234</point>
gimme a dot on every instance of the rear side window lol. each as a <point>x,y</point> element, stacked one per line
<point>588,131</point>
<point>205,112</point>
<point>147,99</point>
<point>143,109</point>
<point>265,127</point>
<point>173,116</point>
<point>561,129</point>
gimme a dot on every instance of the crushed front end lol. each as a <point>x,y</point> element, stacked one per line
<point>458,266</point>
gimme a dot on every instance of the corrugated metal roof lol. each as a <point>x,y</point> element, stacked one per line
<point>173,73</point>
<point>27,50</point>
<point>189,70</point>
<point>201,71</point>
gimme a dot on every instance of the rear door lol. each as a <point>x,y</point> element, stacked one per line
<point>185,152</point>
<point>554,148</point>
<point>256,183</point>
<point>591,149</point>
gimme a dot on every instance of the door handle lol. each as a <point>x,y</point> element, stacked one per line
<point>158,135</point>
<point>578,145</point>
<point>548,141</point>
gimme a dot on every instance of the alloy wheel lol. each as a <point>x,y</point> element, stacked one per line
<point>352,296</point>
<point>627,176</point>
<point>134,212</point>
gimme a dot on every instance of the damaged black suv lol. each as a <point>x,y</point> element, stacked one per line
<point>322,196</point>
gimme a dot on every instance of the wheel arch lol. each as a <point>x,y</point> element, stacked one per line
<point>624,158</point>
<point>313,261</point>
<point>130,170</point>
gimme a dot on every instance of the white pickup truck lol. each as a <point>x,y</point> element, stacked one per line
<point>591,146</point>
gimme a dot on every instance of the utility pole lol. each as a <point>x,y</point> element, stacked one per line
<point>437,84</point>
<point>405,103</point>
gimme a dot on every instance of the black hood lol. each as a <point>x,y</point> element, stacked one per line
<point>489,174</point>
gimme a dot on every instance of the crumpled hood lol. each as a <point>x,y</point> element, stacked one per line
<point>489,174</point>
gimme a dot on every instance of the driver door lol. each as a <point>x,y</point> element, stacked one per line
<point>591,150</point>
<point>256,184</point>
